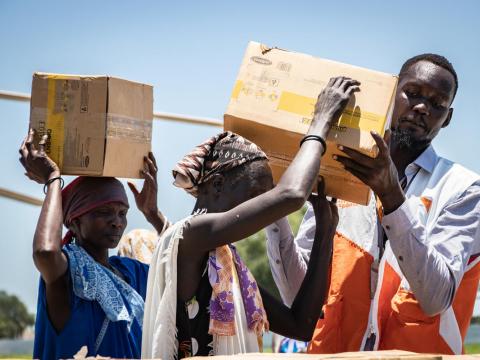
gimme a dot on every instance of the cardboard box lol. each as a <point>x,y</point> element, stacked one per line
<point>359,355</point>
<point>96,125</point>
<point>272,104</point>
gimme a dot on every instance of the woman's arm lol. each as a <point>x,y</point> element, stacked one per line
<point>47,249</point>
<point>298,322</point>
<point>209,231</point>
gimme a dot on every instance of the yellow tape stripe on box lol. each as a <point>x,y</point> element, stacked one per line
<point>354,119</point>
<point>236,89</point>
<point>60,76</point>
<point>55,123</point>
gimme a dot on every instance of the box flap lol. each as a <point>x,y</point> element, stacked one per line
<point>129,127</point>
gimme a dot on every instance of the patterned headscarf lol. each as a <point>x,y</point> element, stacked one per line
<point>84,194</point>
<point>219,153</point>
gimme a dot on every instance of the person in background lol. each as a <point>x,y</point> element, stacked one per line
<point>138,244</point>
<point>406,267</point>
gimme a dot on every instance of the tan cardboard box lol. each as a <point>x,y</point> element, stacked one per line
<point>360,355</point>
<point>96,125</point>
<point>272,104</point>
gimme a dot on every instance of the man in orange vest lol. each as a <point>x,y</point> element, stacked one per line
<point>405,268</point>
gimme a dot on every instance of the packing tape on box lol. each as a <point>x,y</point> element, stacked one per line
<point>129,129</point>
<point>236,89</point>
<point>59,76</point>
<point>304,106</point>
<point>351,118</point>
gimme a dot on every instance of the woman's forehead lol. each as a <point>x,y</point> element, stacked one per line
<point>114,205</point>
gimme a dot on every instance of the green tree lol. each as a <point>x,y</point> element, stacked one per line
<point>253,251</point>
<point>14,316</point>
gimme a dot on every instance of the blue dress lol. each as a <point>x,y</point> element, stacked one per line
<point>121,339</point>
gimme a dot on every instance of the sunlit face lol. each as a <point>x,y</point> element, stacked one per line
<point>103,226</point>
<point>422,104</point>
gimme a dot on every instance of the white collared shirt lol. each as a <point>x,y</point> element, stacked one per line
<point>432,261</point>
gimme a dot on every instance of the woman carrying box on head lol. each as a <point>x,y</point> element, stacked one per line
<point>201,298</point>
<point>86,298</point>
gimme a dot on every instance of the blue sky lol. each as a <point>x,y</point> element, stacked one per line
<point>190,51</point>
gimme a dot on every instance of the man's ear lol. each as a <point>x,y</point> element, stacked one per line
<point>448,119</point>
<point>218,183</point>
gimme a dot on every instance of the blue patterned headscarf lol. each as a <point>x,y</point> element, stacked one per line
<point>91,281</point>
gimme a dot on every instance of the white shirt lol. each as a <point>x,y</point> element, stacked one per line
<point>433,262</point>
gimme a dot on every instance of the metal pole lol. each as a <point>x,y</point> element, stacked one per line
<point>186,119</point>
<point>10,95</point>
<point>16,96</point>
<point>20,197</point>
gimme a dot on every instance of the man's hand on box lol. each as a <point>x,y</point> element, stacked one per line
<point>38,166</point>
<point>379,173</point>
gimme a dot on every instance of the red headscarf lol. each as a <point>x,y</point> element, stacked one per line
<point>87,193</point>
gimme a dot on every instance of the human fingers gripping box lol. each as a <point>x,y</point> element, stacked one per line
<point>272,104</point>
<point>96,125</point>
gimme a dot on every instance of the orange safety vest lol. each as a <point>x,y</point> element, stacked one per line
<point>352,313</point>
<point>403,324</point>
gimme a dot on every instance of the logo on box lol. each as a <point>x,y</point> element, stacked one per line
<point>260,60</point>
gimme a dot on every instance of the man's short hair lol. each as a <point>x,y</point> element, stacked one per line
<point>435,59</point>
